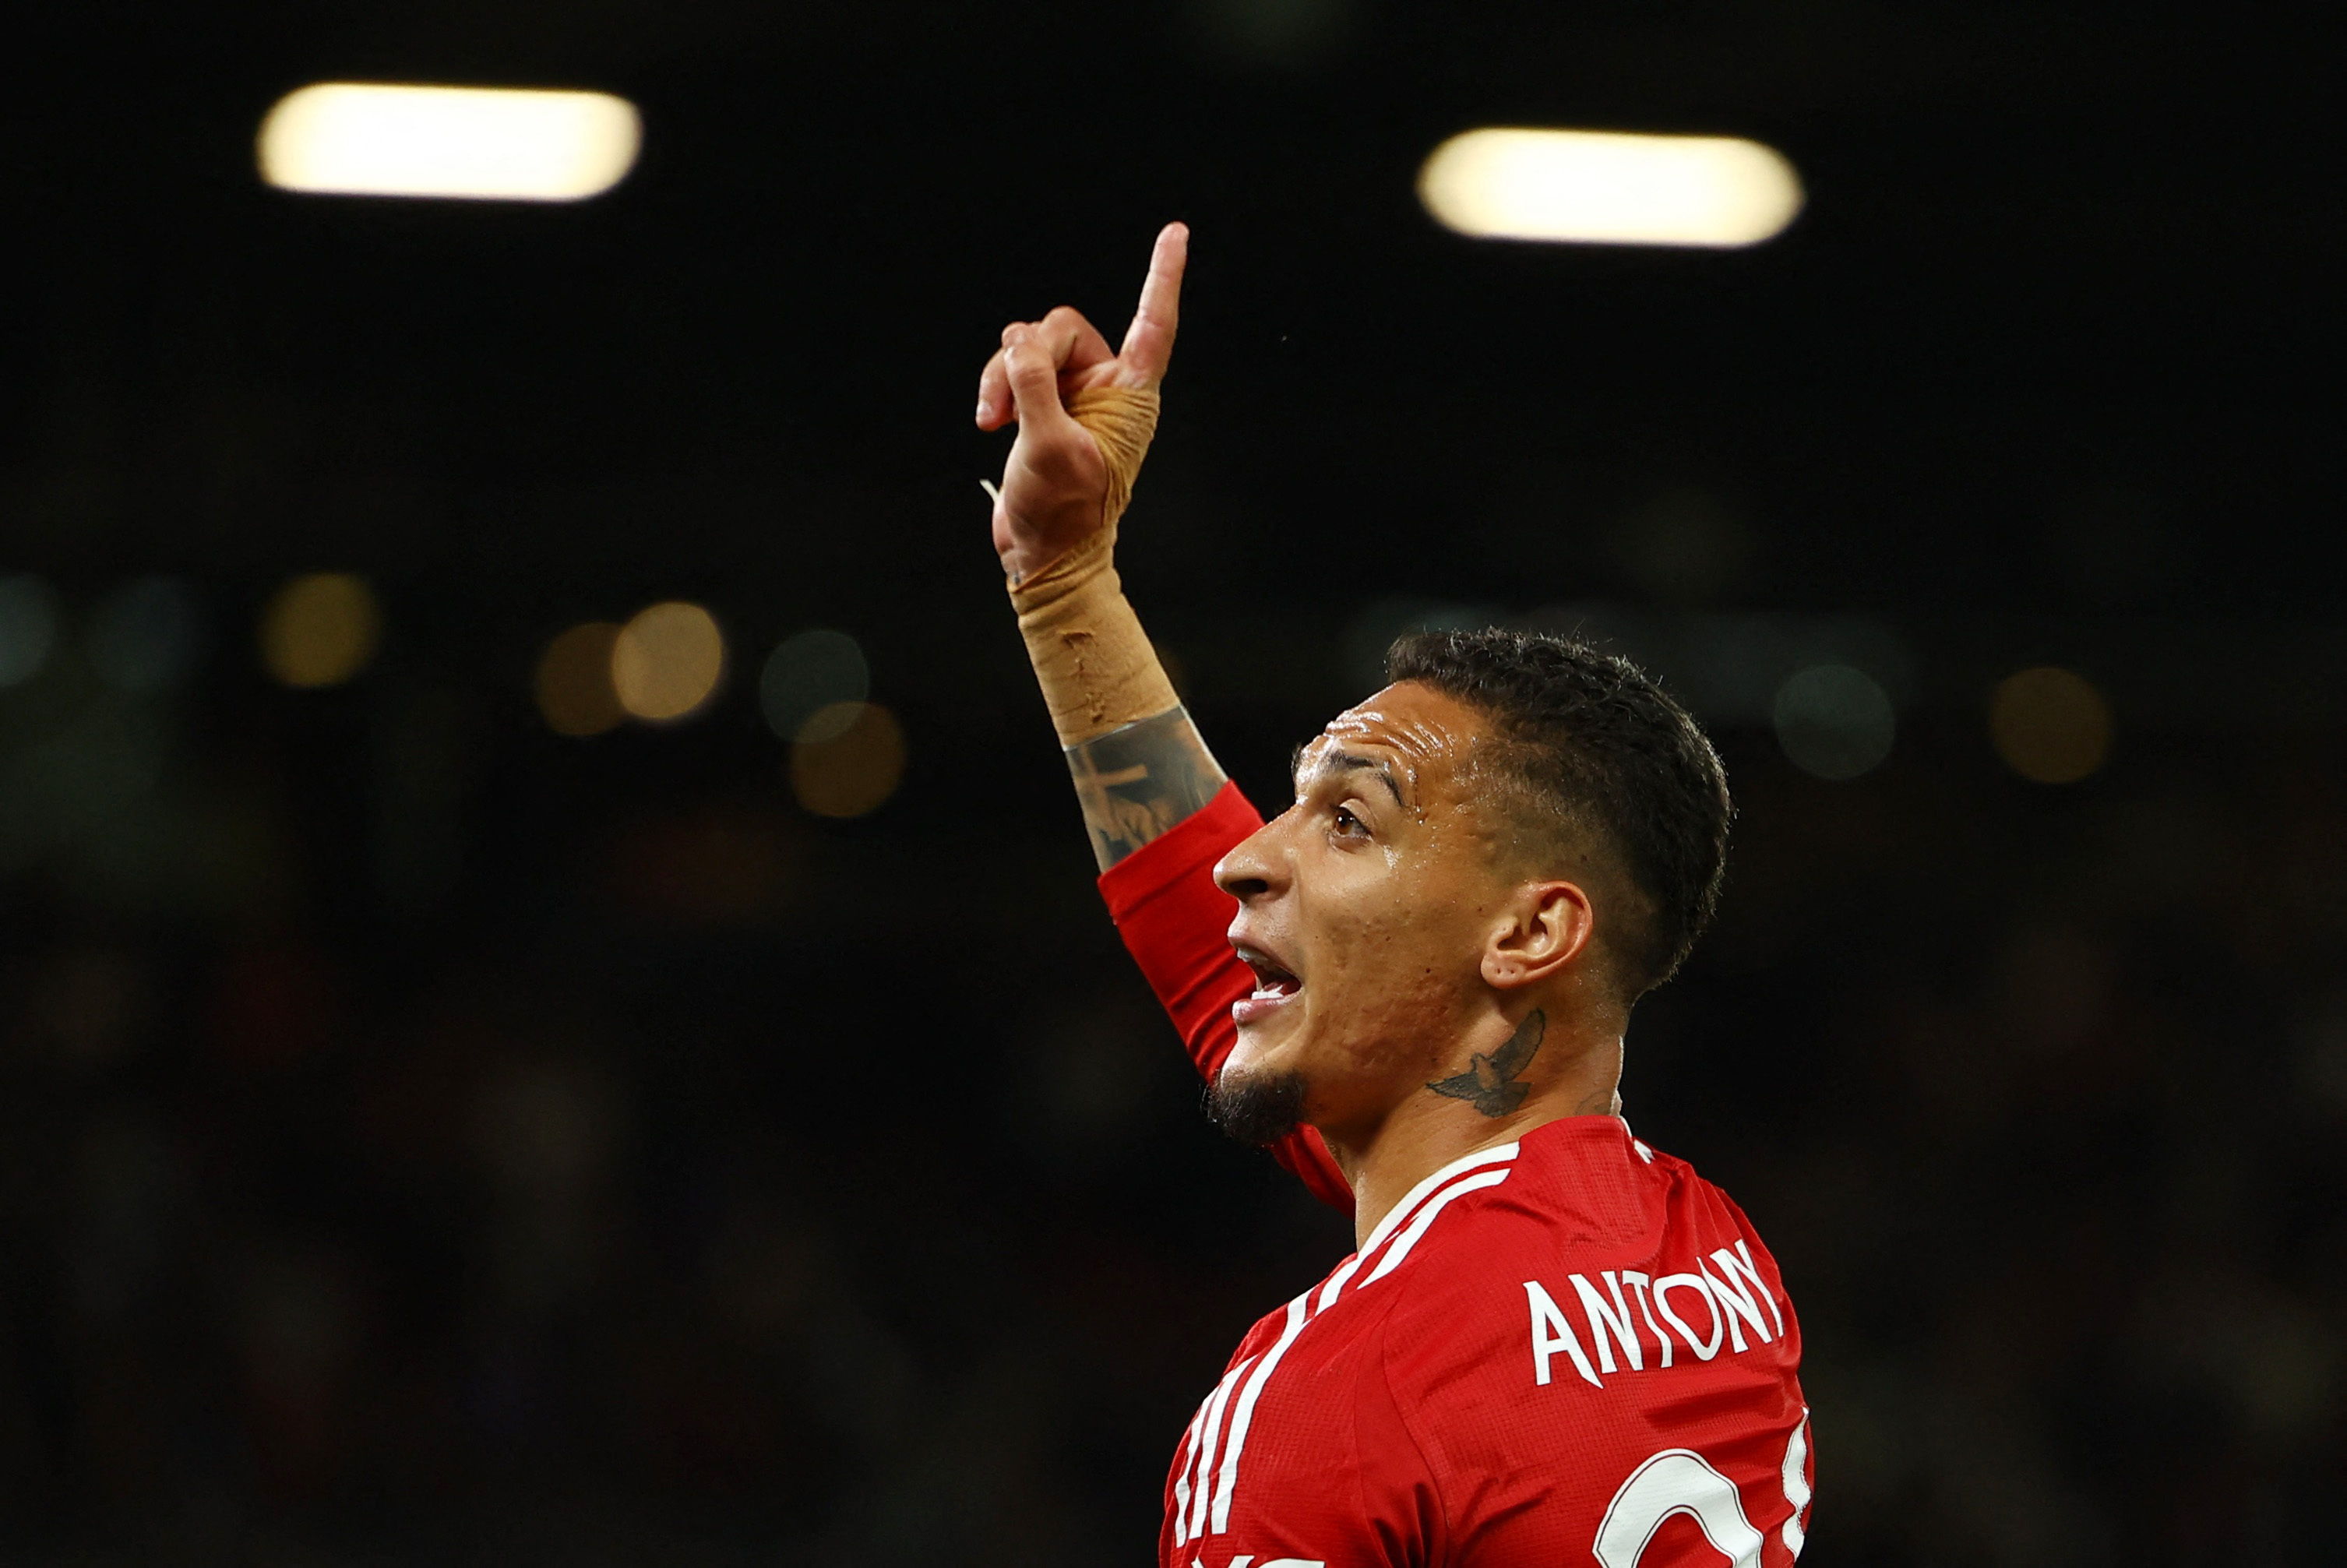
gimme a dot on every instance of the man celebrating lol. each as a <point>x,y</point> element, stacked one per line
<point>1553,1341</point>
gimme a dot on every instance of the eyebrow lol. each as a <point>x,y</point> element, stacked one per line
<point>1352,762</point>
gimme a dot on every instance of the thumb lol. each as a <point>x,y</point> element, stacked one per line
<point>1034,377</point>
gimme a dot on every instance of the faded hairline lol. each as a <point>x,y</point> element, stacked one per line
<point>1556,841</point>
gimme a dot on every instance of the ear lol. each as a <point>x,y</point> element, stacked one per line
<point>1543,932</point>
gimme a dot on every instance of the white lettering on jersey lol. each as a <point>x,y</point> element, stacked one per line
<point>1733,1293</point>
<point>1546,1316</point>
<point>1740,1262</point>
<point>1639,1282</point>
<point>1734,1303</point>
<point>1609,1325</point>
<point>1704,1349</point>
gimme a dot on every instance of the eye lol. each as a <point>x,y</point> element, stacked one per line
<point>1346,824</point>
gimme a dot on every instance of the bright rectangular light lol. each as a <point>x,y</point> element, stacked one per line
<point>493,144</point>
<point>1607,188</point>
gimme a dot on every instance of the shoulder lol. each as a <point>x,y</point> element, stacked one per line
<point>1537,1327</point>
<point>1592,1302</point>
<point>1527,1328</point>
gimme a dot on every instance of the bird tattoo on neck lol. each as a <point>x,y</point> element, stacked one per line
<point>1490,1084</point>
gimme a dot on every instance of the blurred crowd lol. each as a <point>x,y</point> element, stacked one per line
<point>425,1135</point>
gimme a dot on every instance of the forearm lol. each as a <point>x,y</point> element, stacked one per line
<point>1138,763</point>
<point>1141,780</point>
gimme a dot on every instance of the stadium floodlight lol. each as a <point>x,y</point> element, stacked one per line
<point>482,144</point>
<point>1609,187</point>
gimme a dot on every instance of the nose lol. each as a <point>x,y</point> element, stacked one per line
<point>1255,869</point>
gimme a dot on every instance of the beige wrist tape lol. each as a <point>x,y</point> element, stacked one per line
<point>1120,420</point>
<point>1095,664</point>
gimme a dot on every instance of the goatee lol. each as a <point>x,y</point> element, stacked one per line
<point>1257,1109</point>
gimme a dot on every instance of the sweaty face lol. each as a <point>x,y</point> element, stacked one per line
<point>1364,908</point>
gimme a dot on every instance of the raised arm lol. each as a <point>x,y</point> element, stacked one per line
<point>1085,415</point>
<point>1142,773</point>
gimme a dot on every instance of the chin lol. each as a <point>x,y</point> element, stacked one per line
<point>1250,1053</point>
<point>1257,1105</point>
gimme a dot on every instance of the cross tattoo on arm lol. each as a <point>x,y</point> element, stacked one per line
<point>1137,783</point>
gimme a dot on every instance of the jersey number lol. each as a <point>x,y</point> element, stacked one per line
<point>1681,1481</point>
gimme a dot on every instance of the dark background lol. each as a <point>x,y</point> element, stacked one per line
<point>424,1137</point>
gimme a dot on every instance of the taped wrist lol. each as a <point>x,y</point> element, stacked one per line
<point>1095,664</point>
<point>1096,667</point>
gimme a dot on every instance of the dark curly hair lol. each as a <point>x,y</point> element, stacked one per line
<point>1603,762</point>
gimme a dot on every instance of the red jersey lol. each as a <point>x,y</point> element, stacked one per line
<point>1565,1347</point>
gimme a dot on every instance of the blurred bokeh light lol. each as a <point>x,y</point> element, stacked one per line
<point>667,661</point>
<point>816,671</point>
<point>28,627</point>
<point>847,759</point>
<point>382,138</point>
<point>573,685</point>
<point>320,630</point>
<point>2050,725</point>
<point>1610,188</point>
<point>1834,721</point>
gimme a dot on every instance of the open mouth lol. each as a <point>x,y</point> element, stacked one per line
<point>1275,985</point>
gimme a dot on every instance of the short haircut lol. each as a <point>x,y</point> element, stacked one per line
<point>1602,762</point>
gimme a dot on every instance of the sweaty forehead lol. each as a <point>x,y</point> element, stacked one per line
<point>1423,729</point>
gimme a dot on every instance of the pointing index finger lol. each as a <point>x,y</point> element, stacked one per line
<point>1149,341</point>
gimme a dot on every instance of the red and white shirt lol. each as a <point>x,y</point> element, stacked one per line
<point>1567,1346</point>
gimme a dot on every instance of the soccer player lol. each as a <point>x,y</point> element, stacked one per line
<point>1553,1341</point>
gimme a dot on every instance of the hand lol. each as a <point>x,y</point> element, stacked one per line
<point>1055,485</point>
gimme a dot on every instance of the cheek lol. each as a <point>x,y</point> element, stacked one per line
<point>1384,899</point>
<point>1391,945</point>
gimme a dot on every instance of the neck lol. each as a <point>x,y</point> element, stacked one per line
<point>1430,1128</point>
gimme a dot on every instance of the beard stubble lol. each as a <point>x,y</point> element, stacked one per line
<point>1257,1109</point>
